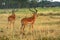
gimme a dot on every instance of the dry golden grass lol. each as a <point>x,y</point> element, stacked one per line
<point>45,28</point>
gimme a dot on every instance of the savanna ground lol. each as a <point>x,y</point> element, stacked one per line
<point>45,27</point>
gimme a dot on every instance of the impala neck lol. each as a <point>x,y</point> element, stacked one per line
<point>13,14</point>
<point>34,15</point>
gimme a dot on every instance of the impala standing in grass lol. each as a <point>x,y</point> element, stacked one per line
<point>11,19</point>
<point>28,20</point>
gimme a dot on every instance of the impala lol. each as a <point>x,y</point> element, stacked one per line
<point>29,20</point>
<point>11,18</point>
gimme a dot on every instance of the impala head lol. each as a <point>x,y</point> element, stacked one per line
<point>34,12</point>
<point>13,12</point>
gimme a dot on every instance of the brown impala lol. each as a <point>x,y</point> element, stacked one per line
<point>11,18</point>
<point>28,20</point>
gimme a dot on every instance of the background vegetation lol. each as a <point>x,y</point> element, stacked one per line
<point>28,3</point>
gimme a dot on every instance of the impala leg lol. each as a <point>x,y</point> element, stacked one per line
<point>13,24</point>
<point>10,24</point>
<point>32,27</point>
<point>22,28</point>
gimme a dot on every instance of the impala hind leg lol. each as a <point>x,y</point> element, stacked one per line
<point>10,24</point>
<point>13,23</point>
<point>32,27</point>
<point>22,28</point>
<point>7,24</point>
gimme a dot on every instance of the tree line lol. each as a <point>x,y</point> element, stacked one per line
<point>27,3</point>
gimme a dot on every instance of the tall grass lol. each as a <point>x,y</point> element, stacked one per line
<point>45,28</point>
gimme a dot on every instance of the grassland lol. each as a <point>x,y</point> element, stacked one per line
<point>45,27</point>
